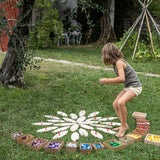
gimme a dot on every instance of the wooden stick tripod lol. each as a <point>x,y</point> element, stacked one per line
<point>144,13</point>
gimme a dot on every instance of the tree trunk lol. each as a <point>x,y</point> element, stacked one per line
<point>9,72</point>
<point>112,12</point>
<point>107,31</point>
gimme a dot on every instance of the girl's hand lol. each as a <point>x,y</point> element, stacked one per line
<point>104,81</point>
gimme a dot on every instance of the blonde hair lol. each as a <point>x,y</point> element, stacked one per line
<point>110,54</point>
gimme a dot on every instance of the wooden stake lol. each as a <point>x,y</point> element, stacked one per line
<point>144,12</point>
<point>138,35</point>
<point>132,28</point>
<point>154,23</point>
<point>150,33</point>
<point>149,3</point>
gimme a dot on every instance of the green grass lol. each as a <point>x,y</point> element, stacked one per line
<point>57,87</point>
<point>91,55</point>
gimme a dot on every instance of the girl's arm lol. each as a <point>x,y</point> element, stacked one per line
<point>121,75</point>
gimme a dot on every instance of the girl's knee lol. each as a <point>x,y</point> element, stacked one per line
<point>115,104</point>
<point>120,103</point>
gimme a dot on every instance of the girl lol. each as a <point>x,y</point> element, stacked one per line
<point>125,74</point>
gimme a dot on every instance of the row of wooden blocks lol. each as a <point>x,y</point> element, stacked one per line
<point>27,139</point>
<point>129,139</point>
<point>143,127</point>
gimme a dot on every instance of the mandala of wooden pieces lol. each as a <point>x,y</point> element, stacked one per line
<point>79,125</point>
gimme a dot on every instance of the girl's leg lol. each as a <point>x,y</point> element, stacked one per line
<point>128,95</point>
<point>115,106</point>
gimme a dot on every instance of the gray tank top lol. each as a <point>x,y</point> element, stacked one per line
<point>131,78</point>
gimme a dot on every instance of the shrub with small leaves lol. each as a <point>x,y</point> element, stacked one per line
<point>48,23</point>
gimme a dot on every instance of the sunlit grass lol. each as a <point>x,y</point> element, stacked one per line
<point>92,55</point>
<point>72,88</point>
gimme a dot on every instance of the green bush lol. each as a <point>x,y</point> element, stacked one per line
<point>144,49</point>
<point>40,35</point>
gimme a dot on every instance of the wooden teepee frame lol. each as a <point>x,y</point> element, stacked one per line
<point>144,13</point>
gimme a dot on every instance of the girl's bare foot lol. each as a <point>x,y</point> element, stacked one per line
<point>122,131</point>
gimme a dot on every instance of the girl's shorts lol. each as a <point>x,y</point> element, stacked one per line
<point>136,90</point>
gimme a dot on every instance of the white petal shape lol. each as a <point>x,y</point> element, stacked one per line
<point>93,114</point>
<point>75,136</point>
<point>60,134</point>
<point>62,113</point>
<point>82,113</point>
<point>83,132</point>
<point>90,119</point>
<point>99,125</point>
<point>96,134</point>
<point>109,118</point>
<point>64,124</point>
<point>92,124</point>
<point>42,123</point>
<point>86,126</point>
<point>109,126</point>
<point>53,117</point>
<point>103,119</point>
<point>46,129</point>
<point>112,118</point>
<point>73,116</point>
<point>81,119</point>
<point>54,121</point>
<point>69,120</point>
<point>60,129</point>
<point>74,127</point>
<point>116,124</point>
<point>112,123</point>
<point>89,122</point>
<point>107,130</point>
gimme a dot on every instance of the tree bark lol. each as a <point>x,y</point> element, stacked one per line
<point>9,71</point>
<point>112,12</point>
<point>107,31</point>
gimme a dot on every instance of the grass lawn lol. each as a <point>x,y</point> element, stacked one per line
<point>61,87</point>
<point>92,55</point>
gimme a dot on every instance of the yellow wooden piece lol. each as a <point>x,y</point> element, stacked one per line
<point>154,138</point>
<point>134,135</point>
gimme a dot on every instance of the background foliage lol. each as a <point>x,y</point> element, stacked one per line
<point>48,28</point>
